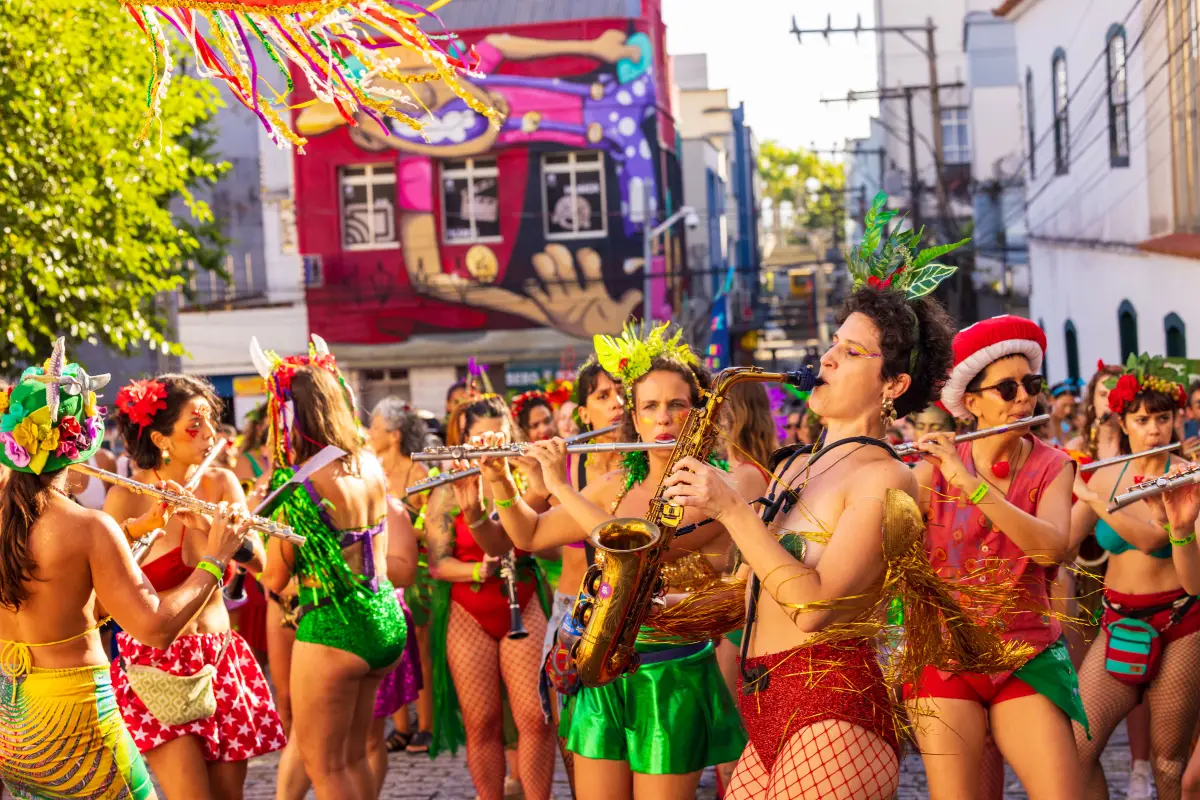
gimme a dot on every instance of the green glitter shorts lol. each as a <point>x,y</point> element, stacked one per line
<point>371,626</point>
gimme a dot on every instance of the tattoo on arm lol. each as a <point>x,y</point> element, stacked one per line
<point>439,524</point>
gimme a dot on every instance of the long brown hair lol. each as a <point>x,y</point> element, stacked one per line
<point>322,417</point>
<point>22,502</point>
<point>752,434</point>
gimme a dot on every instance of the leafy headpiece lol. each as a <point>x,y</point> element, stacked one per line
<point>627,357</point>
<point>893,262</point>
<point>1144,373</point>
<point>50,418</point>
<point>278,373</point>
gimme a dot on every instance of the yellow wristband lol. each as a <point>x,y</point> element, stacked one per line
<point>476,572</point>
<point>509,503</point>
<point>979,493</point>
<point>211,569</point>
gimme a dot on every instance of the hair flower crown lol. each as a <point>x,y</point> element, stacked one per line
<point>520,401</point>
<point>1145,373</point>
<point>893,262</point>
<point>629,355</point>
<point>141,400</point>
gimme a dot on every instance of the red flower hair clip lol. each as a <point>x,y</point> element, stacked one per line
<point>519,402</point>
<point>141,400</point>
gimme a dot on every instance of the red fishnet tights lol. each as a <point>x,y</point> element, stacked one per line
<point>831,760</point>
<point>1174,699</point>
<point>477,664</point>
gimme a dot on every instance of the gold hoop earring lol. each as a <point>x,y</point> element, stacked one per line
<point>888,413</point>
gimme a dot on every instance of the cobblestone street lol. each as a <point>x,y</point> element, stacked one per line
<point>418,778</point>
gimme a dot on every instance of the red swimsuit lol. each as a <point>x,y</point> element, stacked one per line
<point>486,601</point>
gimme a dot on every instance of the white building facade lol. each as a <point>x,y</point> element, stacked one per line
<point>1111,177</point>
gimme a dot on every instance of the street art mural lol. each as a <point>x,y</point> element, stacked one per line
<point>539,221</point>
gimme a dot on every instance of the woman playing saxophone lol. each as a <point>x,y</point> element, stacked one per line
<point>651,733</point>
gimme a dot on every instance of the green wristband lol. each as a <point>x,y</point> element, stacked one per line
<point>1178,542</point>
<point>979,493</point>
<point>476,572</point>
<point>509,503</point>
<point>212,569</point>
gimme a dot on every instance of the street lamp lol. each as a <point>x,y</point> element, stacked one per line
<point>691,219</point>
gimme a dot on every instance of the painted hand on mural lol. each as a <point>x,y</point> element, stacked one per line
<point>569,293</point>
<point>576,300</point>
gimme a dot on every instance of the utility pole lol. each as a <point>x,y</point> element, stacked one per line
<point>903,93</point>
<point>929,50</point>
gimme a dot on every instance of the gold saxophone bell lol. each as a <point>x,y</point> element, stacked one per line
<point>611,590</point>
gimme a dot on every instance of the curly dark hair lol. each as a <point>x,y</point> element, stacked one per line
<point>697,376</point>
<point>398,416</point>
<point>892,314</point>
<point>180,388</point>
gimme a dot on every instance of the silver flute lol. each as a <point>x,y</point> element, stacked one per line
<point>463,452</point>
<point>451,477</point>
<point>910,448</point>
<point>267,526</point>
<point>1108,462</point>
<point>1154,487</point>
<point>142,545</point>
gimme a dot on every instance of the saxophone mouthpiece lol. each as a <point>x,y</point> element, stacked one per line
<point>803,379</point>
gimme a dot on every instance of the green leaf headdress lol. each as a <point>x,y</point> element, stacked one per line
<point>628,356</point>
<point>893,262</point>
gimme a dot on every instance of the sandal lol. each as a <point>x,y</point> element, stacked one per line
<point>420,742</point>
<point>398,741</point>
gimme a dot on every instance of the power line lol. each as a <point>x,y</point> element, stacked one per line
<point>1075,152</point>
<point>1100,173</point>
<point>1071,96</point>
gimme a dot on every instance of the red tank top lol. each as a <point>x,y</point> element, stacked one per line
<point>167,571</point>
<point>486,601</point>
<point>961,539</point>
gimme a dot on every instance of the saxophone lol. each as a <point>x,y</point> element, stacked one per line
<point>617,592</point>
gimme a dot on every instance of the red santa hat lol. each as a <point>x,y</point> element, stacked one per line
<point>984,342</point>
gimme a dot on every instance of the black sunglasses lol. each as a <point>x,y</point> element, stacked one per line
<point>1007,388</point>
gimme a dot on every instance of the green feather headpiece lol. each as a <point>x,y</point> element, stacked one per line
<point>628,356</point>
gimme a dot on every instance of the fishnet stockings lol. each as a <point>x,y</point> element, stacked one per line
<point>477,663</point>
<point>830,760</point>
<point>1174,700</point>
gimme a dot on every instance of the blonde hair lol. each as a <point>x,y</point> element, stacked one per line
<point>752,433</point>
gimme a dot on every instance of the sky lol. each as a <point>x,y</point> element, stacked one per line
<point>754,55</point>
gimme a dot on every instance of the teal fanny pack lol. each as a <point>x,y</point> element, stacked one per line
<point>1133,652</point>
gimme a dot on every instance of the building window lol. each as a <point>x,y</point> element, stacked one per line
<point>470,201</point>
<point>368,207</point>
<point>1183,57</point>
<point>573,195</point>
<point>1127,327</point>
<point>1058,73</point>
<point>1029,123</point>
<point>1118,99</point>
<point>1072,342</point>
<point>956,146</point>
<point>1176,336</point>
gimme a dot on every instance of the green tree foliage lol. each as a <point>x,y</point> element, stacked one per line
<point>88,236</point>
<point>785,172</point>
